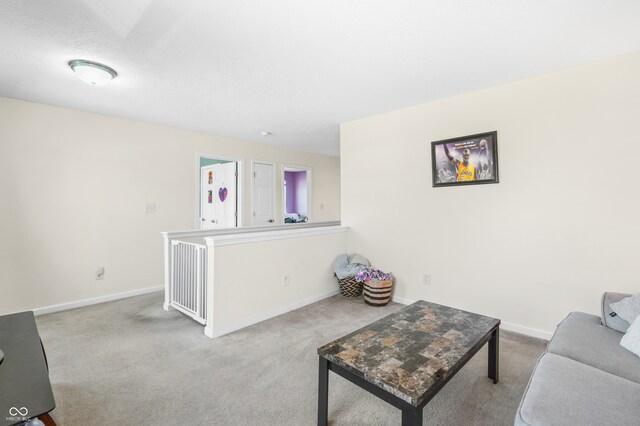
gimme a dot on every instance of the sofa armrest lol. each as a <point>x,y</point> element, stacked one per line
<point>608,318</point>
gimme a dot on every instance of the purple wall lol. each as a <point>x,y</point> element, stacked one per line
<point>290,177</point>
<point>301,193</point>
<point>296,201</point>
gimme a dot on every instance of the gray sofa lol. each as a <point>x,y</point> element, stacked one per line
<point>585,377</point>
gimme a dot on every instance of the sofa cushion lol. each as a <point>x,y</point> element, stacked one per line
<point>565,392</point>
<point>610,318</point>
<point>628,308</point>
<point>581,337</point>
<point>631,340</point>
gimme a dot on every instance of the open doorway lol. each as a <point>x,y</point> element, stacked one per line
<point>219,187</point>
<point>296,193</point>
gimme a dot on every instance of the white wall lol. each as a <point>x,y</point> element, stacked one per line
<point>248,278</point>
<point>73,194</point>
<point>560,228</point>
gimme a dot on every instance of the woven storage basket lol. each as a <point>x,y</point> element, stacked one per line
<point>349,287</point>
<point>377,292</point>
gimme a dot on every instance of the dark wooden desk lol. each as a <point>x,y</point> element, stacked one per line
<point>25,389</point>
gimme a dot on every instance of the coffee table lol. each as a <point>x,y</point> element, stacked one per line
<point>405,358</point>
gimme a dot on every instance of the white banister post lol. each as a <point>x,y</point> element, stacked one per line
<point>167,269</point>
<point>208,329</point>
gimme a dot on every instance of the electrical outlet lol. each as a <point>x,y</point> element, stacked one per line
<point>100,273</point>
<point>285,280</point>
<point>150,208</point>
<point>426,279</point>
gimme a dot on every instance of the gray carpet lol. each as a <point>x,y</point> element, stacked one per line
<point>129,362</point>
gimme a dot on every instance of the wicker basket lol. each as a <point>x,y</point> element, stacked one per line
<point>377,293</point>
<point>349,287</point>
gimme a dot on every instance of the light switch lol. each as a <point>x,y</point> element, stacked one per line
<point>426,279</point>
<point>150,208</point>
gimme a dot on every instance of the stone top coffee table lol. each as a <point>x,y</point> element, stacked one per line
<point>407,357</point>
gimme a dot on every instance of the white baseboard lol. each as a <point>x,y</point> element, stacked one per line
<point>319,297</point>
<point>210,332</point>
<point>509,326</point>
<point>528,331</point>
<point>95,300</point>
<point>402,300</point>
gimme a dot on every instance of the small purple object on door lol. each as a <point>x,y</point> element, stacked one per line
<point>222,193</point>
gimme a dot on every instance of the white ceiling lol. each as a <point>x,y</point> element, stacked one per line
<point>296,68</point>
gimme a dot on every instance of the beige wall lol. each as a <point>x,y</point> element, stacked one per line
<point>248,279</point>
<point>560,228</point>
<point>73,194</point>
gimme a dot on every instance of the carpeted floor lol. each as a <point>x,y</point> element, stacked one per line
<point>131,363</point>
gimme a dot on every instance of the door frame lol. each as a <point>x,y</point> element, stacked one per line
<point>297,168</point>
<point>239,189</point>
<point>273,190</point>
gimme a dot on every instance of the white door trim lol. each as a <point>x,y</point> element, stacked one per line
<point>297,168</point>
<point>273,189</point>
<point>240,188</point>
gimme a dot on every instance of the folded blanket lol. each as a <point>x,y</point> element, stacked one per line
<point>346,266</point>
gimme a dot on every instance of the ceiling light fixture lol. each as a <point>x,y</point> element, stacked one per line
<point>265,133</point>
<point>93,73</point>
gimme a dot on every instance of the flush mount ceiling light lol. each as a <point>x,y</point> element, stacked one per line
<point>93,73</point>
<point>265,133</point>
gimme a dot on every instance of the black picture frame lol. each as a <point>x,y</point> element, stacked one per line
<point>482,163</point>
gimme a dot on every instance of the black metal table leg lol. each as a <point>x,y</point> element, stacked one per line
<point>494,356</point>
<point>412,416</point>
<point>323,392</point>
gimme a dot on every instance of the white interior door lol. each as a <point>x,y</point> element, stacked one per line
<point>219,196</point>
<point>207,208</point>
<point>263,193</point>
<point>226,195</point>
